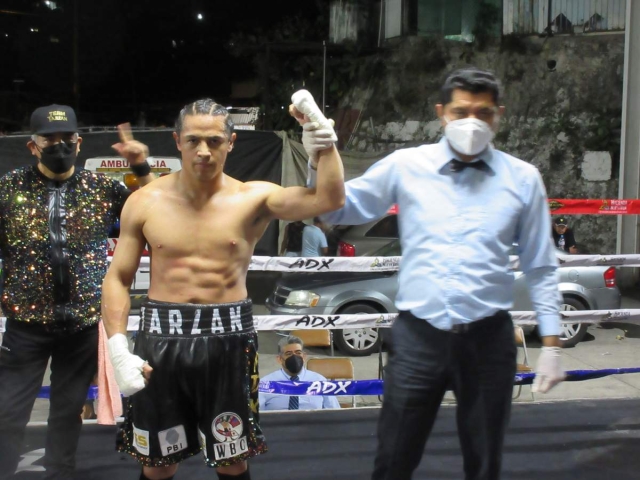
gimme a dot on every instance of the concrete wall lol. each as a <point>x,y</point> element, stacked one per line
<point>563,97</point>
<point>630,141</point>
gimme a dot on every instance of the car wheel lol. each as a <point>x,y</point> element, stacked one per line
<point>358,342</point>
<point>572,333</point>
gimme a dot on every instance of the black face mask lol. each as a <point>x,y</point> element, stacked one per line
<point>294,364</point>
<point>59,158</point>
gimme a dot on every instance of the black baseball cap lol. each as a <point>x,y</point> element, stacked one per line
<point>53,119</point>
<point>561,221</point>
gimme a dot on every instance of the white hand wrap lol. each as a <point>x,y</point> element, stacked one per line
<point>316,139</point>
<point>312,176</point>
<point>549,370</point>
<point>127,366</point>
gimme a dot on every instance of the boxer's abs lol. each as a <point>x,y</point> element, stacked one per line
<point>198,280</point>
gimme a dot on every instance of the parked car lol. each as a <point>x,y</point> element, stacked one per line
<point>365,239</point>
<point>582,288</point>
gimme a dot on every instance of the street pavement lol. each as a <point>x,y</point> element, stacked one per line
<point>610,345</point>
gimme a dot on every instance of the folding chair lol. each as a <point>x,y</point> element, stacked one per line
<point>334,368</point>
<point>523,367</point>
<point>315,338</point>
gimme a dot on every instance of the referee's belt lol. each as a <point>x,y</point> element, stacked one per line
<point>482,324</point>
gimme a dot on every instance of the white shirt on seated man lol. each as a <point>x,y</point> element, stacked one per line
<point>292,357</point>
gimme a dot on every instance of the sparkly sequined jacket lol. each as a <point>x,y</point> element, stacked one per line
<point>53,244</point>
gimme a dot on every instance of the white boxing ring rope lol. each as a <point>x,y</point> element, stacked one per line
<point>389,264</point>
<point>385,320</point>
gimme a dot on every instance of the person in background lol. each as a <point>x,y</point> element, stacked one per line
<point>563,236</point>
<point>292,357</point>
<point>292,239</point>
<point>314,241</point>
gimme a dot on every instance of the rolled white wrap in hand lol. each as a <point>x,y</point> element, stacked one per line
<point>316,139</point>
<point>549,370</point>
<point>126,366</point>
<point>305,104</point>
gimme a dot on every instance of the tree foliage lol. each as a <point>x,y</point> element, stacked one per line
<point>290,55</point>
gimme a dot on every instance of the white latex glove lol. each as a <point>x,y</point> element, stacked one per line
<point>315,139</point>
<point>126,366</point>
<point>549,370</point>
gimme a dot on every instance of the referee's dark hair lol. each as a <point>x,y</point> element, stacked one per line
<point>470,79</point>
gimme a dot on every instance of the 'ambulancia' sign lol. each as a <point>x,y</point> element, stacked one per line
<point>119,164</point>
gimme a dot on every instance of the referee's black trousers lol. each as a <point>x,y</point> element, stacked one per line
<point>74,358</point>
<point>478,362</point>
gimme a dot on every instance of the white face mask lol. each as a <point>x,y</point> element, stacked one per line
<point>468,136</point>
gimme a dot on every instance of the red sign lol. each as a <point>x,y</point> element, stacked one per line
<point>582,207</point>
<point>594,207</point>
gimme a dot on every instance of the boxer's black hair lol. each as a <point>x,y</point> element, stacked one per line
<point>205,106</point>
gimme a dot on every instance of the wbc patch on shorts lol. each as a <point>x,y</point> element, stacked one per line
<point>227,428</point>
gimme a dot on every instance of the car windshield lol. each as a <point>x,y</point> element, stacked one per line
<point>386,227</point>
<point>391,249</point>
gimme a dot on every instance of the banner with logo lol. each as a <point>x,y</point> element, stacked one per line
<point>563,206</point>
<point>376,387</point>
<point>594,207</point>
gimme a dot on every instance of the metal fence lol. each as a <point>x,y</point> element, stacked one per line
<point>528,17</point>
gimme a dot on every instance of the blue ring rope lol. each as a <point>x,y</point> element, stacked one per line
<point>375,387</point>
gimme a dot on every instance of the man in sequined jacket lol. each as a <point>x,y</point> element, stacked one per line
<point>54,224</point>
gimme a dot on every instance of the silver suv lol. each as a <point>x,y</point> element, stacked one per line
<point>582,288</point>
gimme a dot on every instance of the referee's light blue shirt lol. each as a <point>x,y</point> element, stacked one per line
<point>457,230</point>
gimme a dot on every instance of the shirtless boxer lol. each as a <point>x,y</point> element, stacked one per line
<point>196,350</point>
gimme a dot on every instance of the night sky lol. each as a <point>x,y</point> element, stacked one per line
<point>115,58</point>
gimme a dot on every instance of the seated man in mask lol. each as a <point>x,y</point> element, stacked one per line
<point>291,356</point>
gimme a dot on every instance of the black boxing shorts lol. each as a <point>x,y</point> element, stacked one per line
<point>203,391</point>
